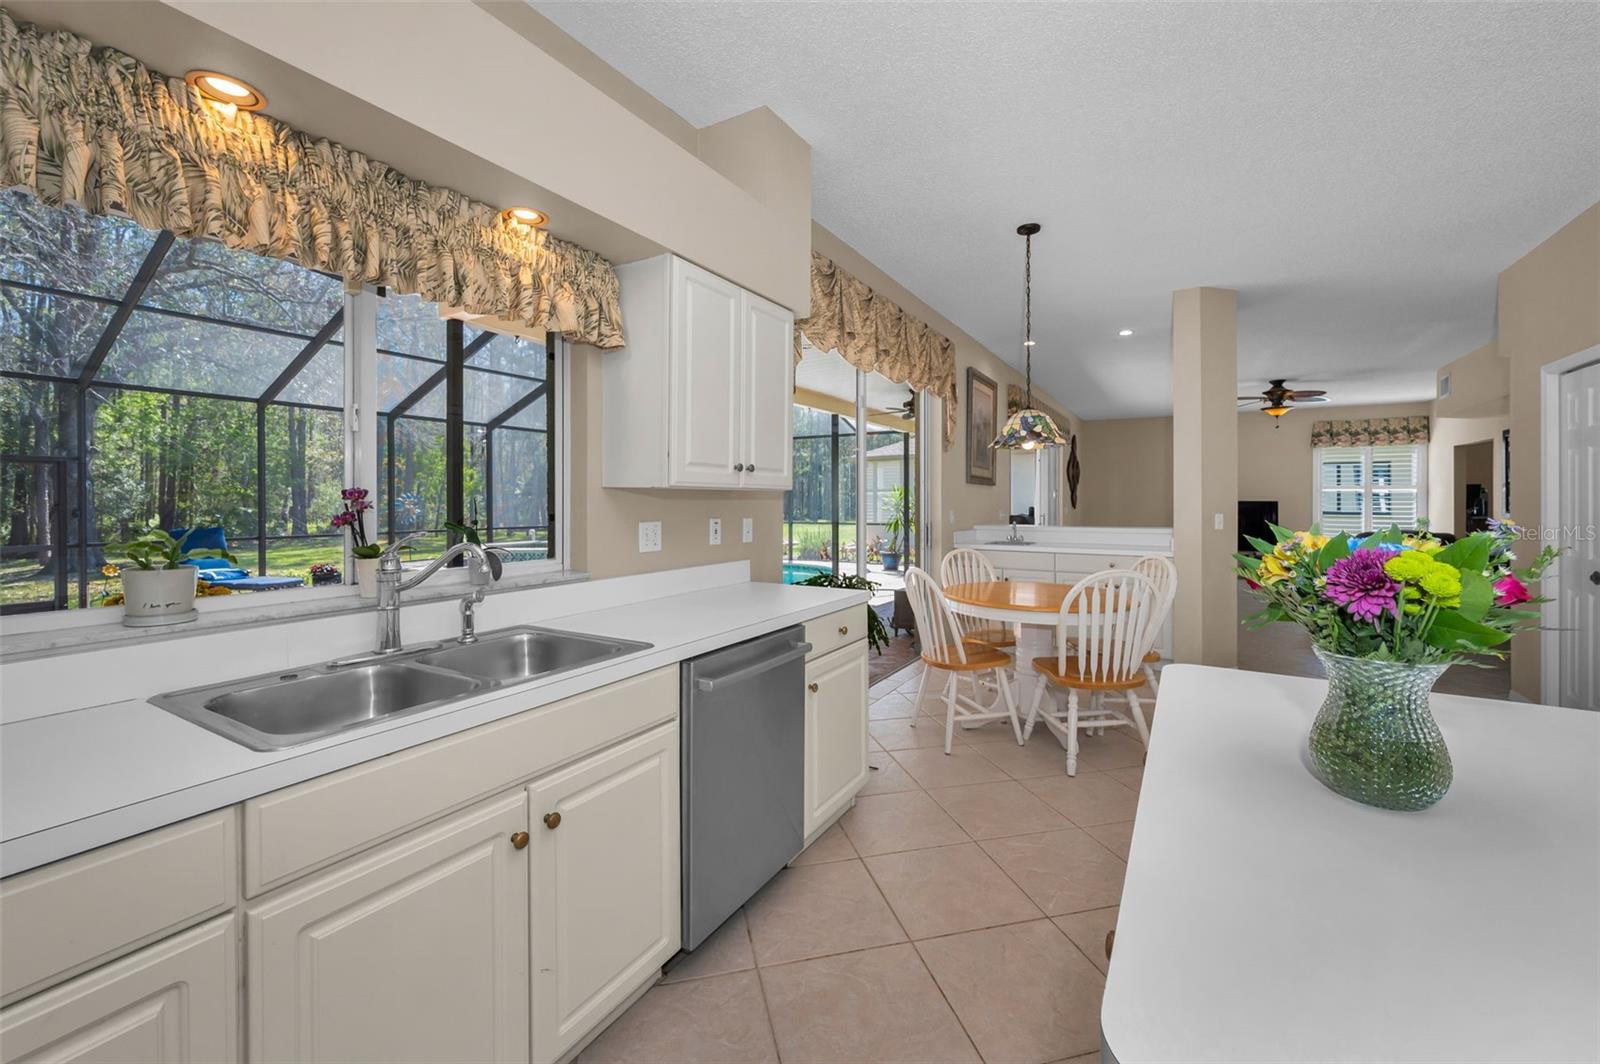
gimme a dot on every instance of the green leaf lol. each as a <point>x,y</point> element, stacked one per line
<point>1477,595</point>
<point>1336,548</point>
<point>1279,532</point>
<point>1259,544</point>
<point>1451,631</point>
<point>1392,534</point>
<point>1470,555</point>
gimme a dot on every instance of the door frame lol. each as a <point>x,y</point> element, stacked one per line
<point>1550,375</point>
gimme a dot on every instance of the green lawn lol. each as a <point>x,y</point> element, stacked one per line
<point>20,579</point>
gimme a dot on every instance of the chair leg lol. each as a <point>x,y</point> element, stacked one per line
<point>1152,678</point>
<point>1137,711</point>
<point>1011,705</point>
<point>950,713</point>
<point>922,685</point>
<point>1072,731</point>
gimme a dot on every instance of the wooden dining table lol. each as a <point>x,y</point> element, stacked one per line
<point>1030,607</point>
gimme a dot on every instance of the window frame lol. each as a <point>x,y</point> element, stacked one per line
<point>1365,489</point>
<point>360,453</point>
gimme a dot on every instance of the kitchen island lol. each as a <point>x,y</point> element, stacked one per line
<point>1265,918</point>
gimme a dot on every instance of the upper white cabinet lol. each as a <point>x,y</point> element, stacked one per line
<point>700,397</point>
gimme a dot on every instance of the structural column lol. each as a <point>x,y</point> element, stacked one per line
<point>1205,474</point>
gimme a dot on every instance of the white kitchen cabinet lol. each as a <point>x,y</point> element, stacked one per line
<point>700,396</point>
<point>605,887</point>
<point>415,951</point>
<point>836,733</point>
<point>170,1003</point>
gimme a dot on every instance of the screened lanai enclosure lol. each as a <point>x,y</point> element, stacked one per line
<point>153,382</point>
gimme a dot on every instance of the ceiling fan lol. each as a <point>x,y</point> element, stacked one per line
<point>907,409</point>
<point>1279,399</point>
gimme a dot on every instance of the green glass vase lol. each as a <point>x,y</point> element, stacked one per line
<point>1374,739</point>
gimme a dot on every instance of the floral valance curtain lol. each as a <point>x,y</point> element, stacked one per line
<point>876,336</point>
<point>1373,431</point>
<point>94,127</point>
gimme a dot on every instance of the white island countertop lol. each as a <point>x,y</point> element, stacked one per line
<point>1265,918</point>
<point>74,780</point>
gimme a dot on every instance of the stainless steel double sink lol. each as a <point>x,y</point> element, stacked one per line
<point>283,709</point>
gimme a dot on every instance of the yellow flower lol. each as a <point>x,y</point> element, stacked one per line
<point>109,570</point>
<point>1444,583</point>
<point>1273,569</point>
<point>1409,566</point>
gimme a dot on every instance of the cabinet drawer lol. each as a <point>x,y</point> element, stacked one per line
<point>171,1003</point>
<point>1021,559</point>
<point>67,917</point>
<point>835,630</point>
<point>305,827</point>
<point>1012,573</point>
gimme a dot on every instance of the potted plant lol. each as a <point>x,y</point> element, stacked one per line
<point>323,573</point>
<point>1387,614</point>
<point>353,504</point>
<point>157,588</point>
<point>900,527</point>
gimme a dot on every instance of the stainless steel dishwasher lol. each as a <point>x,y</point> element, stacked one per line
<point>744,743</point>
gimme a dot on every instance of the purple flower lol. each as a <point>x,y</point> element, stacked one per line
<point>1358,583</point>
<point>353,493</point>
<point>343,518</point>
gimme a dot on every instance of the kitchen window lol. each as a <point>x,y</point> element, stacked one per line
<point>1367,489</point>
<point>147,380</point>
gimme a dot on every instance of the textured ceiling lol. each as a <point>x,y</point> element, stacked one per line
<point>1359,172</point>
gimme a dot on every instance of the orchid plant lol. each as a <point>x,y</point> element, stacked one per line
<point>1397,597</point>
<point>353,503</point>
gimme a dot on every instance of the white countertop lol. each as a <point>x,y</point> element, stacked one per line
<point>73,780</point>
<point>1265,918</point>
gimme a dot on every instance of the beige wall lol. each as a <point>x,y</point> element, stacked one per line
<point>605,521</point>
<point>1127,472</point>
<point>1549,308</point>
<point>1480,385</point>
<point>958,504</point>
<point>1448,433</point>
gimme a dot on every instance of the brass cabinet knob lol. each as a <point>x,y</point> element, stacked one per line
<point>552,820</point>
<point>811,687</point>
<point>519,841</point>
<point>844,629</point>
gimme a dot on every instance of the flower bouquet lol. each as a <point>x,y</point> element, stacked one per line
<point>1387,614</point>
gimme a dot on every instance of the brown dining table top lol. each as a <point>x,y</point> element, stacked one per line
<point>1033,596</point>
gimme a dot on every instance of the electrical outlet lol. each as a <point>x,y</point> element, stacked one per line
<point>747,534</point>
<point>716,531</point>
<point>649,536</point>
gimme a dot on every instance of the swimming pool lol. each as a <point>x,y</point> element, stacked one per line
<point>794,572</point>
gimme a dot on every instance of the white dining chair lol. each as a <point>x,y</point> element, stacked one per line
<point>967,566</point>
<point>945,649</point>
<point>1107,624</point>
<point>1164,575</point>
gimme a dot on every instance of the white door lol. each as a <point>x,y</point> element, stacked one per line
<point>605,890</point>
<point>417,951</point>
<point>170,1003</point>
<point>768,427</point>
<point>1579,590</point>
<point>836,732</point>
<point>705,372</point>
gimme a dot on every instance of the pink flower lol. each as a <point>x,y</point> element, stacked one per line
<point>1508,591</point>
<point>1358,583</point>
<point>353,493</point>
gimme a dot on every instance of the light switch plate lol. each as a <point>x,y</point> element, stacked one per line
<point>716,531</point>
<point>747,533</point>
<point>1216,522</point>
<point>649,536</point>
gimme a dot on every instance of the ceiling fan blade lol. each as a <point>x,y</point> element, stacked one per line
<point>1309,399</point>
<point>1250,398</point>
<point>1303,393</point>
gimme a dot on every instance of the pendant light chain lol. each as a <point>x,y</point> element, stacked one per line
<point>1027,315</point>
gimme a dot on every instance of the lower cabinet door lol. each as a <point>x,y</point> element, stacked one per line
<point>416,951</point>
<point>836,732</point>
<point>605,889</point>
<point>170,1003</point>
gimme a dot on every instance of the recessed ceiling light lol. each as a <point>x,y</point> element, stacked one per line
<point>1029,343</point>
<point>525,216</point>
<point>223,89</point>
<point>1125,332</point>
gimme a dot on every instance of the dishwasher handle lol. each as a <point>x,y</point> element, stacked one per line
<point>715,683</point>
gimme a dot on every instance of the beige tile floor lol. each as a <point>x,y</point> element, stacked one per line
<point>958,913</point>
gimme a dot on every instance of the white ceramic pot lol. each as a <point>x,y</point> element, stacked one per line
<point>153,597</point>
<point>367,577</point>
